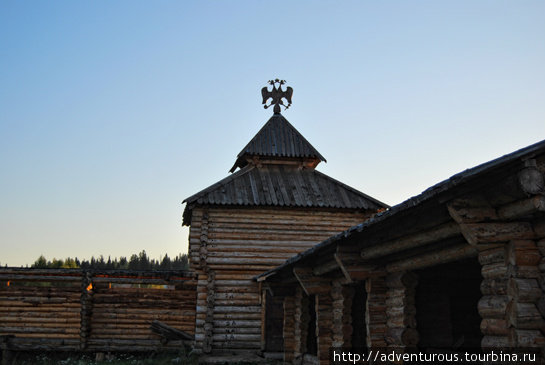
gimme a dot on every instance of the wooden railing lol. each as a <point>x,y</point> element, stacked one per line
<point>91,310</point>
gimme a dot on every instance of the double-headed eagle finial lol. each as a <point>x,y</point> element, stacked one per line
<point>277,94</point>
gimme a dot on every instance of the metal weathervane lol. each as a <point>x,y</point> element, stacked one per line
<point>277,94</point>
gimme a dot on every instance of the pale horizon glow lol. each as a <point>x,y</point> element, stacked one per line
<point>112,113</point>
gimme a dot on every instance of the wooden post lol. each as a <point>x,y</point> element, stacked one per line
<point>401,309</point>
<point>209,320</point>
<point>523,317</point>
<point>300,326</point>
<point>205,332</point>
<point>348,293</point>
<point>324,323</point>
<point>289,328</point>
<point>86,311</point>
<point>375,313</point>
<point>510,258</point>
<point>338,311</point>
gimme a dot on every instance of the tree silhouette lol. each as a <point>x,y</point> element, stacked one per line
<point>136,262</point>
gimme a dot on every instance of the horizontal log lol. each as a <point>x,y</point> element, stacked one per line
<point>524,290</point>
<point>237,323</point>
<point>495,342</point>
<point>325,267</point>
<point>493,306</point>
<point>25,320</point>
<point>493,256</point>
<point>494,271</point>
<point>526,338</point>
<point>524,316</point>
<point>523,253</point>
<point>494,286</point>
<point>420,239</point>
<point>433,258</point>
<point>522,208</point>
<point>494,327</point>
<point>479,233</point>
<point>38,330</point>
<point>471,209</point>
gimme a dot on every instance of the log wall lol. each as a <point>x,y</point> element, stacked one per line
<point>230,246</point>
<point>81,310</point>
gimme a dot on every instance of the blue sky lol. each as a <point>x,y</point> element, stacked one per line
<point>111,113</point>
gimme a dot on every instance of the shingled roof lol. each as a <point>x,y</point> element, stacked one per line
<point>283,186</point>
<point>277,138</point>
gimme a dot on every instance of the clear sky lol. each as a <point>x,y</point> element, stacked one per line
<point>113,112</point>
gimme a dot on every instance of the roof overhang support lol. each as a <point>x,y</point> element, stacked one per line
<point>311,283</point>
<point>278,289</point>
<point>351,264</point>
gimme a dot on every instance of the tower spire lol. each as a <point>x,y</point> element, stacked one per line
<point>277,94</point>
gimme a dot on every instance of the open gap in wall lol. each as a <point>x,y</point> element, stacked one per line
<point>446,305</point>
<point>359,333</point>
<point>274,323</point>
<point>312,341</point>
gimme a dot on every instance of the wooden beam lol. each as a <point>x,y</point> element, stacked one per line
<point>475,209</point>
<point>522,208</point>
<point>349,260</point>
<point>438,233</point>
<point>450,254</point>
<point>471,209</point>
<point>531,180</point>
<point>484,233</point>
<point>310,283</point>
<point>325,267</point>
<point>279,289</point>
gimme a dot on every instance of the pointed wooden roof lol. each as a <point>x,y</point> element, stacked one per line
<point>277,169</point>
<point>278,139</point>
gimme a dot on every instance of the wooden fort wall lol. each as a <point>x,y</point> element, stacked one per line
<point>93,311</point>
<point>228,247</point>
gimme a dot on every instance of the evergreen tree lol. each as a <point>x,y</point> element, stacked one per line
<point>40,263</point>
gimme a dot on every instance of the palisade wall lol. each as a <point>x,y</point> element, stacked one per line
<point>73,309</point>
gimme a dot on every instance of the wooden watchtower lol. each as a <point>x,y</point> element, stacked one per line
<point>274,205</point>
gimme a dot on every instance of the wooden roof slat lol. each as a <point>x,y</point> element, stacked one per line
<point>277,185</point>
<point>277,138</point>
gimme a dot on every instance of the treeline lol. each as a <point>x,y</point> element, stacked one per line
<point>135,262</point>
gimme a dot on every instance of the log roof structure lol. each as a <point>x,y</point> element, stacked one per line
<point>427,203</point>
<point>459,267</point>
<point>282,186</point>
<point>277,168</point>
<point>277,138</point>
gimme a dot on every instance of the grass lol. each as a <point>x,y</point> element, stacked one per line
<point>107,359</point>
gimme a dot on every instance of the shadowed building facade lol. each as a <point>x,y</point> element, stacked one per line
<point>460,267</point>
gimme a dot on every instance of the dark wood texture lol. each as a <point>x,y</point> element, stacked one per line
<point>68,310</point>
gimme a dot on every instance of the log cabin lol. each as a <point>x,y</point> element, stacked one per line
<point>274,205</point>
<point>460,266</point>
